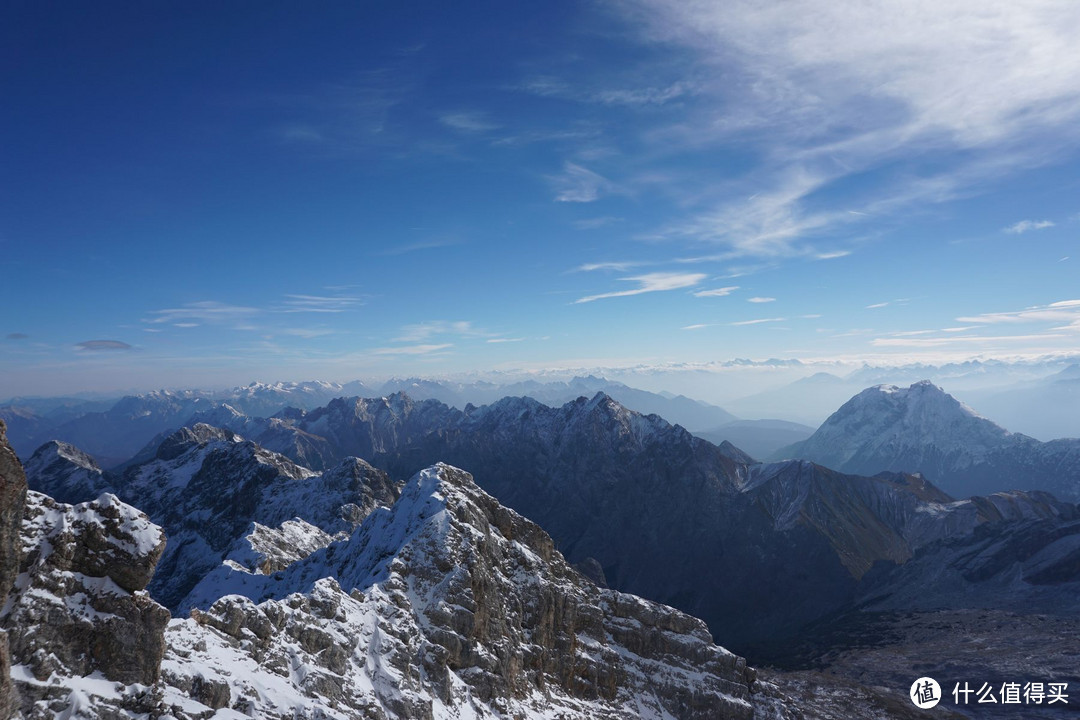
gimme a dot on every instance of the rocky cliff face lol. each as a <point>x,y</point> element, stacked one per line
<point>444,605</point>
<point>207,486</point>
<point>78,620</point>
<point>82,574</point>
<point>449,605</point>
<point>12,503</point>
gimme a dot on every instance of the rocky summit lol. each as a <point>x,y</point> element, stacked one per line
<point>444,604</point>
<point>448,605</point>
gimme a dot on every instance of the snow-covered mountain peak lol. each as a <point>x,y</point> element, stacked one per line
<point>66,473</point>
<point>199,435</point>
<point>923,428</point>
<point>462,609</point>
<point>921,413</point>
<point>56,450</point>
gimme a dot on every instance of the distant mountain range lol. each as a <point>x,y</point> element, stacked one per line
<point>640,505</point>
<point>924,429</point>
<point>114,431</point>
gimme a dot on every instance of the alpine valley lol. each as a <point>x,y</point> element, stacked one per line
<point>323,551</point>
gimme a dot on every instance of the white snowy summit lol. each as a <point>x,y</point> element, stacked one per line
<point>924,429</point>
<point>445,605</point>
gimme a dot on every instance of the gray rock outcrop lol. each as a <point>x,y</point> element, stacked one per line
<point>448,604</point>
<point>79,607</point>
<point>12,502</point>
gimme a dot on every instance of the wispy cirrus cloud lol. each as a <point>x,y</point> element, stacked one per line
<point>307,333</point>
<point>757,322</point>
<point>717,292</point>
<point>829,91</point>
<point>761,299</point>
<point>1064,311</point>
<point>638,96</point>
<point>475,121</point>
<point>618,266</point>
<point>319,303</point>
<point>964,340</point>
<point>650,282</point>
<point>421,349</point>
<point>578,184</point>
<point>203,311</point>
<point>1027,225</point>
<point>418,332</point>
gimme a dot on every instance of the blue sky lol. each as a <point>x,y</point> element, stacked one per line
<point>211,193</point>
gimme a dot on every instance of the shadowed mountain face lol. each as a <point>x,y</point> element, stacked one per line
<point>66,474</point>
<point>216,495</point>
<point>923,429</point>
<point>758,551</point>
<point>444,605</point>
<point>759,438</point>
<point>461,608</point>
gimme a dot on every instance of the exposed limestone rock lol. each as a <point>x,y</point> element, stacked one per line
<point>12,502</point>
<point>78,610</point>
<point>453,606</point>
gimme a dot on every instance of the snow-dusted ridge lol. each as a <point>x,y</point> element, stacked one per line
<point>445,605</point>
<point>448,605</point>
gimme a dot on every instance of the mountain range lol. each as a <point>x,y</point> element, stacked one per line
<point>776,558</point>
<point>585,471</point>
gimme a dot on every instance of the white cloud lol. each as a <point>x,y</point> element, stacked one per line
<point>877,305</point>
<point>756,322</point>
<point>976,71</point>
<point>1025,225</point>
<point>418,332</point>
<point>205,311</point>
<point>468,122</point>
<point>579,184</point>
<point>827,90</point>
<point>832,255</point>
<point>637,96</point>
<point>761,299</point>
<point>695,327</point>
<point>318,303</point>
<point>717,292</point>
<point>651,282</point>
<point>423,349</point>
<point>1065,311</point>
<point>617,266</point>
<point>307,333</point>
<point>959,340</point>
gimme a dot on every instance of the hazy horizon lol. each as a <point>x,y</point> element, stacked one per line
<point>202,195</point>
